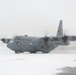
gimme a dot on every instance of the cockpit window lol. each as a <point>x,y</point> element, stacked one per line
<point>12,40</point>
<point>18,42</point>
<point>17,38</point>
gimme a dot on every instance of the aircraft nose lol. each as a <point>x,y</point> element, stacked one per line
<point>10,45</point>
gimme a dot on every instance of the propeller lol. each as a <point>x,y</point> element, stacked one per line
<point>46,38</point>
<point>65,38</point>
<point>2,39</point>
<point>5,40</point>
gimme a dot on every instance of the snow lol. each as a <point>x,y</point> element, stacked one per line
<point>35,64</point>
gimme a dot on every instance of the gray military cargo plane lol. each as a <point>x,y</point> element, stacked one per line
<point>21,44</point>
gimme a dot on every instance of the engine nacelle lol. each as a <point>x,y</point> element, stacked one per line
<point>64,43</point>
<point>5,40</point>
<point>64,40</point>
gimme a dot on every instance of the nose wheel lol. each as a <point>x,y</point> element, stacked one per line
<point>17,52</point>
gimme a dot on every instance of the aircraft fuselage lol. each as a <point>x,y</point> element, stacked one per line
<point>31,44</point>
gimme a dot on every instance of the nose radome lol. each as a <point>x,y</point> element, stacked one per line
<point>13,46</point>
<point>10,46</point>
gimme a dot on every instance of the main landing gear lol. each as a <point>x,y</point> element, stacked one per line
<point>17,52</point>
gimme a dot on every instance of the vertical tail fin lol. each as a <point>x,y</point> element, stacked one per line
<point>60,29</point>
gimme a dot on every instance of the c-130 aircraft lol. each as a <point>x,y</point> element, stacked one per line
<point>31,44</point>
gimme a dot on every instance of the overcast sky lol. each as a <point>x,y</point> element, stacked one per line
<point>36,17</point>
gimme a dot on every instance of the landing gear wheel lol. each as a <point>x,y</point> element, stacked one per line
<point>17,52</point>
<point>21,52</point>
<point>33,51</point>
<point>45,51</point>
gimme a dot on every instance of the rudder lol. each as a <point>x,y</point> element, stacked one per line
<point>60,29</point>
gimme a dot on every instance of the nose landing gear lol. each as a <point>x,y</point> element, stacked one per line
<point>17,52</point>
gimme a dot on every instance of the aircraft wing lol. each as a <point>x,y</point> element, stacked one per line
<point>5,40</point>
<point>72,38</point>
<point>63,38</point>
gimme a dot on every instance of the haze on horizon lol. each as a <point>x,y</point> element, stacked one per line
<point>37,17</point>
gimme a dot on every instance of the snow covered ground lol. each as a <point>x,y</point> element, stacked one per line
<point>35,64</point>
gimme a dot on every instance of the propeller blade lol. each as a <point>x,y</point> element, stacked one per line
<point>65,38</point>
<point>5,40</point>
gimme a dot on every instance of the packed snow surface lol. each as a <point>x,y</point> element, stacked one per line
<point>34,64</point>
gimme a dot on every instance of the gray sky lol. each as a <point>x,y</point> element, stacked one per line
<point>36,17</point>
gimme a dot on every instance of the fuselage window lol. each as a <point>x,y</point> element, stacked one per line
<point>18,42</point>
